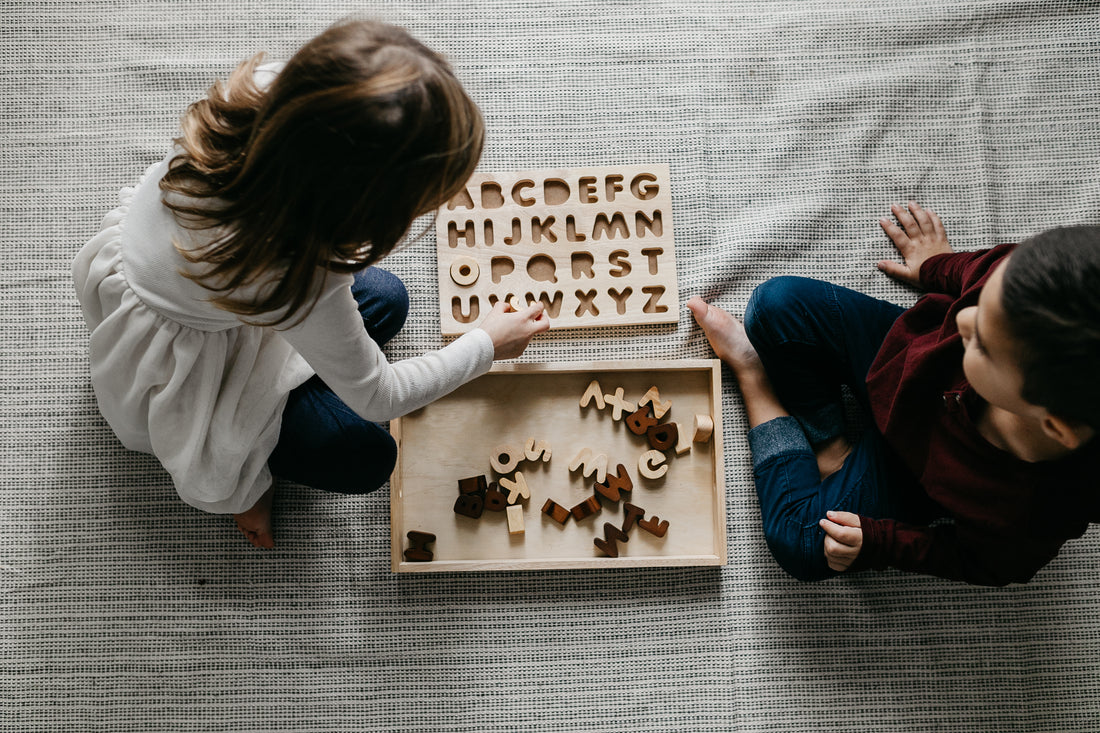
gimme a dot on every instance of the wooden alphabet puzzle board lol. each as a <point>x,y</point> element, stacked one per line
<point>594,245</point>
<point>459,438</point>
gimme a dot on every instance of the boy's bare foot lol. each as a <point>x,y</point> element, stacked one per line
<point>831,455</point>
<point>731,344</point>
<point>255,523</point>
<point>727,337</point>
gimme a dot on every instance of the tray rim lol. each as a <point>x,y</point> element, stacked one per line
<point>718,503</point>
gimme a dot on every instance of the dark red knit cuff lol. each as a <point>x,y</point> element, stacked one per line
<point>872,552</point>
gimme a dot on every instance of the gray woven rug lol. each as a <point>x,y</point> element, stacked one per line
<point>789,127</point>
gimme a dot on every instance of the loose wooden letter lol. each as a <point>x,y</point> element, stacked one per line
<point>650,464</point>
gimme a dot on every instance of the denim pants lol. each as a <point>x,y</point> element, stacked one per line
<point>322,442</point>
<point>813,337</point>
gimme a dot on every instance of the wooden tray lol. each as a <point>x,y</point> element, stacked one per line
<point>454,437</point>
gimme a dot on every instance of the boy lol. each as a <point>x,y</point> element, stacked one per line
<point>984,399</point>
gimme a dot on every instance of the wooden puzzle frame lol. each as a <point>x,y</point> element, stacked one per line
<point>457,436</point>
<point>594,245</point>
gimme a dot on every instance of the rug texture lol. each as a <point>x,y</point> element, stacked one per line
<point>790,127</point>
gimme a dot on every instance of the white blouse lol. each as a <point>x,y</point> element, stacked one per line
<point>190,383</point>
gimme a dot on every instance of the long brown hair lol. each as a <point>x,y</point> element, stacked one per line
<point>364,130</point>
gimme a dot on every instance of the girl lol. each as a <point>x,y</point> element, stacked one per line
<point>236,321</point>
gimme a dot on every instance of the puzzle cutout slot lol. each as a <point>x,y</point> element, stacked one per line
<point>593,245</point>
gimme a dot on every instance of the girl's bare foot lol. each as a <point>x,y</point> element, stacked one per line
<point>255,523</point>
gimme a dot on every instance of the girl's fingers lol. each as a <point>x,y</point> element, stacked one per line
<point>537,316</point>
<point>540,319</point>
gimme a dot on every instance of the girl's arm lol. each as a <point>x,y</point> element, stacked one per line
<point>332,339</point>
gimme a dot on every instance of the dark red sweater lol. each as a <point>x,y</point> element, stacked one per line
<point>1005,518</point>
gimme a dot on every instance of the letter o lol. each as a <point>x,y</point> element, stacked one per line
<point>505,458</point>
<point>465,270</point>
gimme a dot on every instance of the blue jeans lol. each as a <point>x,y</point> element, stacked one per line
<point>813,337</point>
<point>322,442</point>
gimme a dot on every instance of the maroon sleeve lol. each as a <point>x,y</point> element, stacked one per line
<point>955,272</point>
<point>949,551</point>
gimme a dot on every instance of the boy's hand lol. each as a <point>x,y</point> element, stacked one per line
<point>920,236</point>
<point>511,330</point>
<point>843,539</point>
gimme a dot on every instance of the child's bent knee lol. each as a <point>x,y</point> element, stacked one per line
<point>780,294</point>
<point>390,289</point>
<point>770,299</point>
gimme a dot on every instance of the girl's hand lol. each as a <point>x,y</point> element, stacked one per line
<point>511,330</point>
<point>843,539</point>
<point>920,236</point>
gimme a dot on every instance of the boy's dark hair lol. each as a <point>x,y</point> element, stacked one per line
<point>1051,294</point>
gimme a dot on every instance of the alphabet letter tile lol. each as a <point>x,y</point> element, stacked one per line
<point>505,458</point>
<point>586,508</point>
<point>612,535</point>
<point>515,520</point>
<point>615,483</point>
<point>652,465</point>
<point>704,426</point>
<point>683,439</point>
<point>594,392</point>
<point>589,464</point>
<point>654,525</point>
<point>662,437</point>
<point>533,449</point>
<point>639,421</point>
<point>516,489</point>
<point>619,404</point>
<point>469,505</point>
<point>653,397</point>
<point>555,511</point>
<point>418,546</point>
<point>631,514</point>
